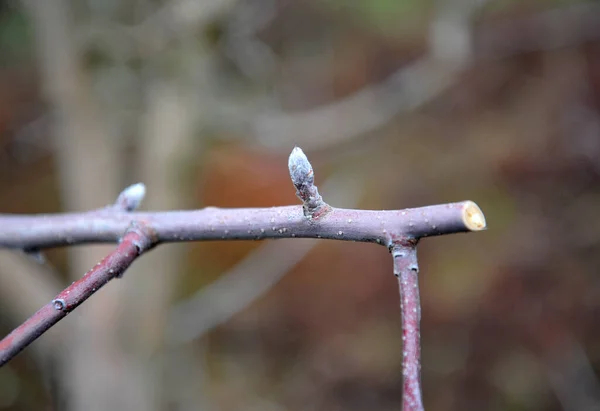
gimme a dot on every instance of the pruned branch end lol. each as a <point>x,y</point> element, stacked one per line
<point>473,217</point>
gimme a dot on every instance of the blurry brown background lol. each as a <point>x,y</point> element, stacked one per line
<point>398,103</point>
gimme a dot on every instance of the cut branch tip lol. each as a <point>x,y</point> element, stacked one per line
<point>473,217</point>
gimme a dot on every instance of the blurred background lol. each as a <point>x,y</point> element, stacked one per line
<point>398,104</point>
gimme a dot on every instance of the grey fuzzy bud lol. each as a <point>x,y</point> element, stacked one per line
<point>301,171</point>
<point>131,197</point>
<point>303,178</point>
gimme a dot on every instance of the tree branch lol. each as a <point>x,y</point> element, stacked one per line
<point>399,230</point>
<point>25,285</point>
<point>138,238</point>
<point>406,269</point>
<point>210,224</point>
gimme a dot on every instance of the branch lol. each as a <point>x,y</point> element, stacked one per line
<point>107,225</point>
<point>25,285</point>
<point>399,230</point>
<point>26,291</point>
<point>210,224</point>
<point>138,238</point>
<point>406,268</point>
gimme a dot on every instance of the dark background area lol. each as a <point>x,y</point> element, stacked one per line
<point>398,104</point>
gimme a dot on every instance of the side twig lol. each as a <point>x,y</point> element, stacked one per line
<point>136,240</point>
<point>406,269</point>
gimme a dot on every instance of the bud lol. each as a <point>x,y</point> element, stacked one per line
<point>301,171</point>
<point>131,197</point>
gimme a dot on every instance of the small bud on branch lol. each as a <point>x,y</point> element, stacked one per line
<point>301,170</point>
<point>131,198</point>
<point>303,178</point>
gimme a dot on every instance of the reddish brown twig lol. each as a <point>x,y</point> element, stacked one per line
<point>135,241</point>
<point>406,268</point>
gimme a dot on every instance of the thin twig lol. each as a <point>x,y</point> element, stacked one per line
<point>23,293</point>
<point>406,268</point>
<point>139,238</point>
<point>26,285</point>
